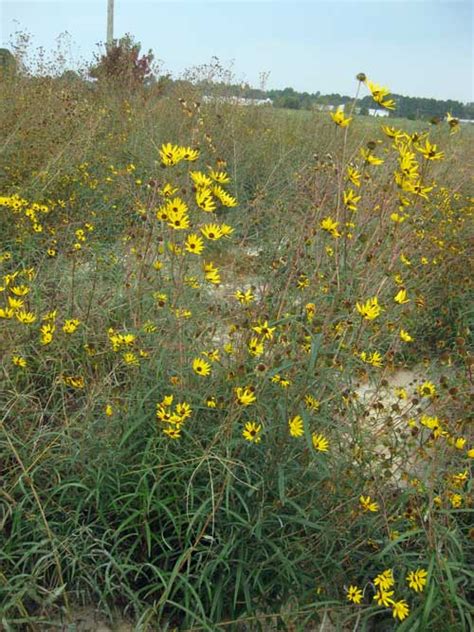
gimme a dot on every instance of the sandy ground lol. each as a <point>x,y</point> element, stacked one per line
<point>87,619</point>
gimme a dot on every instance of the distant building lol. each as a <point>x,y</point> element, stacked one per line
<point>377,112</point>
<point>325,107</point>
<point>235,100</point>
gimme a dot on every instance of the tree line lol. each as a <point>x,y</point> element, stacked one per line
<point>407,107</point>
<point>124,65</point>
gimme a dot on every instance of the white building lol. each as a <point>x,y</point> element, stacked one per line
<point>323,107</point>
<point>377,112</point>
<point>235,100</point>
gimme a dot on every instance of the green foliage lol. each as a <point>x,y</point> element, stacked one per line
<point>7,64</point>
<point>212,531</point>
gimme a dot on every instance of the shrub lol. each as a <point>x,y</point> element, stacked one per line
<point>231,392</point>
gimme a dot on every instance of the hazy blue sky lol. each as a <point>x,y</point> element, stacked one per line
<point>418,48</point>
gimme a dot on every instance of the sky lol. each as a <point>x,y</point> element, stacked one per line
<point>416,48</point>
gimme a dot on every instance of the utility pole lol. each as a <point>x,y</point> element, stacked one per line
<point>110,23</point>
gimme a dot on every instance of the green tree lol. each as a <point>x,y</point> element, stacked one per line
<point>8,65</point>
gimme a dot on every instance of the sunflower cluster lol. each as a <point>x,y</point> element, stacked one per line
<point>285,332</point>
<point>382,586</point>
<point>172,417</point>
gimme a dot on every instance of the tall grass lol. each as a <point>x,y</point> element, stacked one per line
<point>218,529</point>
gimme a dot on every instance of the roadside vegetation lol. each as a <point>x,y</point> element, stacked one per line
<point>236,359</point>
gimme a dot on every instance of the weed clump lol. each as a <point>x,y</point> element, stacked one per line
<point>234,379</point>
